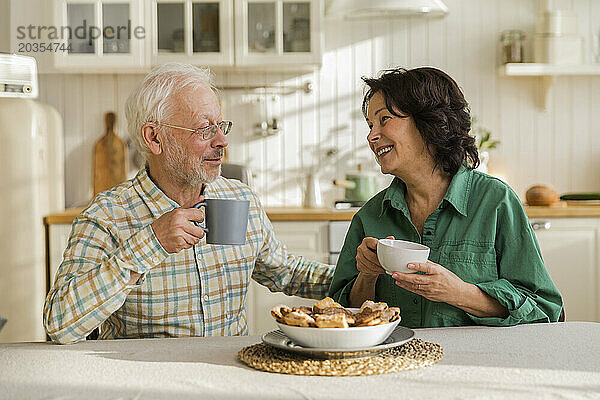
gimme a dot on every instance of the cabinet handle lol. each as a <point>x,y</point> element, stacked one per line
<point>541,225</point>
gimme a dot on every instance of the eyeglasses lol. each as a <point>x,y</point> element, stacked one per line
<point>208,132</point>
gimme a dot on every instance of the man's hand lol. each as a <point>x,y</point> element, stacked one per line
<point>175,230</point>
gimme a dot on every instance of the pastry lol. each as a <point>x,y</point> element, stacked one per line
<point>337,310</point>
<point>331,321</point>
<point>304,309</point>
<point>390,314</point>
<point>366,317</point>
<point>327,302</point>
<point>373,306</point>
<point>296,318</point>
<point>279,312</point>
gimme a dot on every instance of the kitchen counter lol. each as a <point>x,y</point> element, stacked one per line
<point>560,209</point>
<point>558,360</point>
<point>274,214</point>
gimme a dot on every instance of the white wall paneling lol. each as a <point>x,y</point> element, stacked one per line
<point>559,146</point>
<point>4,26</point>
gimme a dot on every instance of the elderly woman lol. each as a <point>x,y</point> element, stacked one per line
<point>485,265</point>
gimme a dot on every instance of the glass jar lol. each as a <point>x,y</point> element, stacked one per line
<point>513,43</point>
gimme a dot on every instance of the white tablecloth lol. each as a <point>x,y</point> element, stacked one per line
<point>559,360</point>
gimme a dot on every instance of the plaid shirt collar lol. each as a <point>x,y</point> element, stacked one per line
<point>159,203</point>
<point>155,199</point>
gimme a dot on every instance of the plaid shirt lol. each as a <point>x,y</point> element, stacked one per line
<point>200,291</point>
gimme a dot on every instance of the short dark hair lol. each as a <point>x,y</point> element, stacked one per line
<point>438,107</point>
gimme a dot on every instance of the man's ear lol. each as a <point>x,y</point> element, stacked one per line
<point>150,135</point>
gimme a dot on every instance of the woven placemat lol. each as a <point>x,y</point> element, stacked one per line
<point>414,354</point>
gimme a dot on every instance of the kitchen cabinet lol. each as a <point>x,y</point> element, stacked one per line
<point>570,250</point>
<point>277,32</point>
<point>192,31</point>
<point>58,237</point>
<point>100,35</point>
<point>133,35</point>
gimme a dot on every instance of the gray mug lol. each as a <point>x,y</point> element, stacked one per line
<point>226,220</point>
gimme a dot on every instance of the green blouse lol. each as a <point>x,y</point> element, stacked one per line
<point>479,231</point>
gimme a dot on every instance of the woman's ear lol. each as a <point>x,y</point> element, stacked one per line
<point>150,135</point>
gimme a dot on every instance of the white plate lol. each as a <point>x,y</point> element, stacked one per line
<point>278,339</point>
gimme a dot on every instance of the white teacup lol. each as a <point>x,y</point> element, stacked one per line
<point>395,255</point>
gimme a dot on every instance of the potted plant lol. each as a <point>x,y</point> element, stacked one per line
<point>484,142</point>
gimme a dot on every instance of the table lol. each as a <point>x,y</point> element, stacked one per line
<point>560,360</point>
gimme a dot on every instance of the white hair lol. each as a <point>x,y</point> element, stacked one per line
<point>152,100</point>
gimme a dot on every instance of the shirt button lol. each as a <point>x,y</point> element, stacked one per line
<point>206,297</point>
<point>155,260</point>
<point>416,301</point>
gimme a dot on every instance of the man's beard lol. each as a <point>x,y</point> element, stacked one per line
<point>186,169</point>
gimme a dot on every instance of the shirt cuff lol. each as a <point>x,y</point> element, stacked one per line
<point>519,305</point>
<point>141,252</point>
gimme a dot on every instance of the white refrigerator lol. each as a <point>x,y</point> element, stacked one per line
<point>31,186</point>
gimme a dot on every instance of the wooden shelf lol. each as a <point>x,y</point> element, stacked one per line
<point>547,73</point>
<point>536,69</point>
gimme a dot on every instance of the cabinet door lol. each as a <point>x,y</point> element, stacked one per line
<point>192,31</point>
<point>278,32</point>
<point>100,35</point>
<point>59,237</point>
<point>308,239</point>
<point>569,249</point>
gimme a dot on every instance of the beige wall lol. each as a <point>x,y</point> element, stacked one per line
<point>4,26</point>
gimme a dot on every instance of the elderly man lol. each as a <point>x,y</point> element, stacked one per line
<point>136,266</point>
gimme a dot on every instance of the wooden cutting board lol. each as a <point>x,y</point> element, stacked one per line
<point>110,151</point>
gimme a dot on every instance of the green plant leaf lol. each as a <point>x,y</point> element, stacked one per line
<point>483,137</point>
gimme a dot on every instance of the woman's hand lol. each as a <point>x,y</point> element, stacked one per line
<point>369,270</point>
<point>438,283</point>
<point>366,257</point>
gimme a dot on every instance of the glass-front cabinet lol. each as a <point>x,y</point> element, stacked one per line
<point>119,36</point>
<point>271,32</point>
<point>94,35</point>
<point>193,31</point>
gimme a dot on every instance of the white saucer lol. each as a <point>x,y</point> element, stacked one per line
<point>279,340</point>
